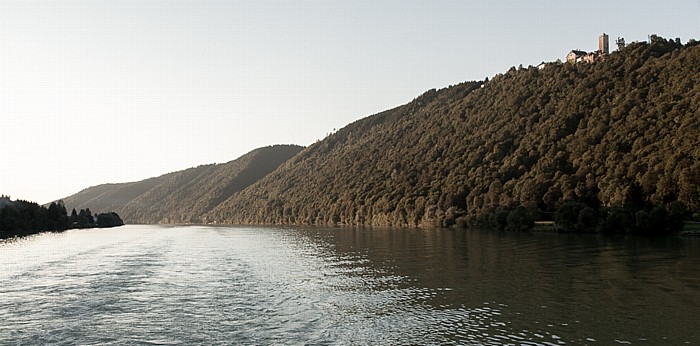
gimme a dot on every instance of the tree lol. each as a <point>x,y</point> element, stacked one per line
<point>642,221</point>
<point>677,216</point>
<point>689,187</point>
<point>109,220</point>
<point>499,219</point>
<point>57,218</point>
<point>85,219</point>
<point>587,219</point>
<point>8,220</point>
<point>520,219</point>
<point>620,43</point>
<point>616,220</point>
<point>659,223</point>
<point>567,216</point>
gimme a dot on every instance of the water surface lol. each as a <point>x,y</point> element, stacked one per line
<point>242,285</point>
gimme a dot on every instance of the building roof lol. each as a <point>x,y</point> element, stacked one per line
<point>578,52</point>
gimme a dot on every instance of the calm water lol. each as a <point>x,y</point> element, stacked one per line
<point>218,285</point>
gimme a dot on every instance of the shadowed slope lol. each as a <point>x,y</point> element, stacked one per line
<point>183,196</point>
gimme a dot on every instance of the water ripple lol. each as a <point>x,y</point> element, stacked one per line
<point>205,285</point>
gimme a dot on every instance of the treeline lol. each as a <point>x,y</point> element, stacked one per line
<point>619,136</point>
<point>23,218</point>
<point>574,216</point>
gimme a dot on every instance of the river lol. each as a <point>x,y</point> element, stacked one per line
<point>160,285</point>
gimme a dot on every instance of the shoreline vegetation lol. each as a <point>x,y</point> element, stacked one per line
<point>580,217</point>
<point>22,218</point>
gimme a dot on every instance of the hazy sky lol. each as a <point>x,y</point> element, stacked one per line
<point>98,92</point>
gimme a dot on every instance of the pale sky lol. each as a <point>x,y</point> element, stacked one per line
<point>96,92</point>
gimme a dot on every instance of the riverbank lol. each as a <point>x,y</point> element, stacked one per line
<point>690,228</point>
<point>545,226</point>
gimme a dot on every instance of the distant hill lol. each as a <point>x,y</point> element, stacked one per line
<point>110,197</point>
<point>183,196</point>
<point>619,132</point>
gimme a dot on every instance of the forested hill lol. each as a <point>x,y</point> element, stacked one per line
<point>183,196</point>
<point>619,132</point>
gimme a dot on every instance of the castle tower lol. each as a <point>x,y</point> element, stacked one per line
<point>604,44</point>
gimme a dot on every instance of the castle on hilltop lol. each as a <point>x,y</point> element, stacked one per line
<point>576,56</point>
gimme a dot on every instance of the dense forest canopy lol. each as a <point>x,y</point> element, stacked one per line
<point>618,133</point>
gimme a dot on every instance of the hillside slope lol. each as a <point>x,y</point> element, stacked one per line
<point>183,196</point>
<point>110,197</point>
<point>616,132</point>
